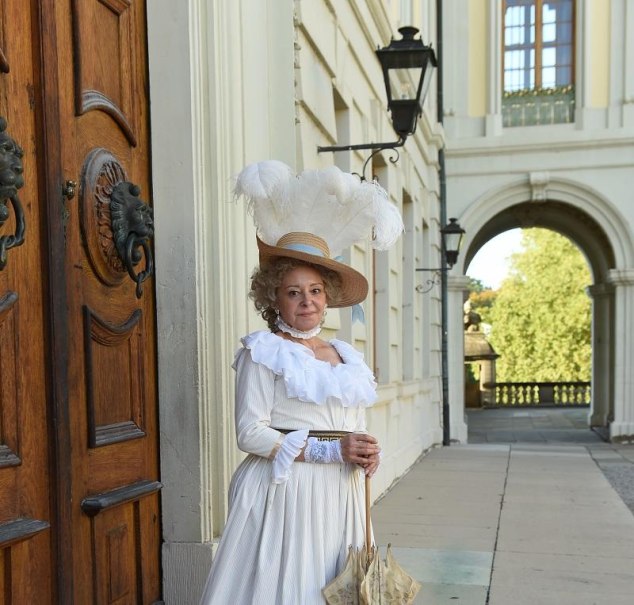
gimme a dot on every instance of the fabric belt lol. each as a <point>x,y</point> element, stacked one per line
<point>320,435</point>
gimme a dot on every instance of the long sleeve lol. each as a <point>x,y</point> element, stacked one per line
<point>254,401</point>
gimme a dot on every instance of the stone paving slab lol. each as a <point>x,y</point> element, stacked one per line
<point>510,595</point>
<point>446,566</point>
<point>448,576</point>
<point>572,540</point>
<point>447,477</point>
<point>438,514</point>
<point>562,572</point>
<point>438,537</point>
<point>540,521</point>
<point>451,594</point>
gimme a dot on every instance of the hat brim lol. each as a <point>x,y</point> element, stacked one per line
<point>354,286</point>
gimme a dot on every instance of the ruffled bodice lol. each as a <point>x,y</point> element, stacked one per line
<point>309,379</point>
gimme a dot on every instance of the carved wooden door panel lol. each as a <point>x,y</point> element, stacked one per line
<point>108,497</point>
<point>79,507</point>
<point>26,522</point>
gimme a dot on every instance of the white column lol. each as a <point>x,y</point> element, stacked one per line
<point>457,286</point>
<point>216,70</point>
<point>179,209</point>
<point>622,426</point>
<point>602,296</point>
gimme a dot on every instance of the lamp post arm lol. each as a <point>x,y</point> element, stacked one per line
<point>377,146</point>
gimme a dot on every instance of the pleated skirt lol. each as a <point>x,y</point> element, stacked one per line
<point>283,543</point>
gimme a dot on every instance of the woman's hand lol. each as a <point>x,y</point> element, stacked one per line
<point>361,449</point>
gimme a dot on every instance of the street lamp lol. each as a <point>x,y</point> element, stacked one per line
<point>451,239</point>
<point>452,235</point>
<point>405,62</point>
<point>407,68</point>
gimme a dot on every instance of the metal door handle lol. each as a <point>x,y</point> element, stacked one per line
<point>11,180</point>
<point>132,227</point>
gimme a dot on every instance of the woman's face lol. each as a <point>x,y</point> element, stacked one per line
<point>301,298</point>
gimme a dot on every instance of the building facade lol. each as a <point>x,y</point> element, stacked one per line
<point>244,81</point>
<point>540,132</point>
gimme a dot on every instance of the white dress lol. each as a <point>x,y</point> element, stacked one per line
<point>290,524</point>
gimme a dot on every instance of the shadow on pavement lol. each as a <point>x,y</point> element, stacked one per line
<point>532,425</point>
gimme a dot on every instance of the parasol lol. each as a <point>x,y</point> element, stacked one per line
<point>368,580</point>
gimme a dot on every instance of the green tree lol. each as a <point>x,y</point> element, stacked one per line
<point>476,285</point>
<point>541,318</point>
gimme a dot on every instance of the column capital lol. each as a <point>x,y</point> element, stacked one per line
<point>458,283</point>
<point>596,291</point>
<point>621,277</point>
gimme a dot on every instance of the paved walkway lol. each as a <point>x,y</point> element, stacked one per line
<point>530,519</point>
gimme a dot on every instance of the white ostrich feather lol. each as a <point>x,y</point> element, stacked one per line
<point>266,187</point>
<point>334,205</point>
<point>388,221</point>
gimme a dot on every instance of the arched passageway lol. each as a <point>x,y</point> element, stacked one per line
<point>597,228</point>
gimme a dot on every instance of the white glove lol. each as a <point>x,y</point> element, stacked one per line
<point>323,452</point>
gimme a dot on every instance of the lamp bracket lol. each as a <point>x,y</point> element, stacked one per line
<point>433,281</point>
<point>376,148</point>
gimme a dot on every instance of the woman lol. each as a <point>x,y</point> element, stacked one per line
<point>296,501</point>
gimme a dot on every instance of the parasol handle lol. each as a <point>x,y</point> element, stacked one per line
<point>368,527</point>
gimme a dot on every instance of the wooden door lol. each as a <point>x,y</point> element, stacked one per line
<point>79,487</point>
<point>26,519</point>
<point>112,439</point>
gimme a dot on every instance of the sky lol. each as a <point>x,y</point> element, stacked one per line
<point>490,264</point>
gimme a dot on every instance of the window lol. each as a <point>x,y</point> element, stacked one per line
<point>538,62</point>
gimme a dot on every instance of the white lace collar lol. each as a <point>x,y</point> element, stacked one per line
<point>310,379</point>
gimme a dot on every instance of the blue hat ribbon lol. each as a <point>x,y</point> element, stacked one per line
<point>357,310</point>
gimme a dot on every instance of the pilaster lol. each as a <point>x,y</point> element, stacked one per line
<point>622,426</point>
<point>601,411</point>
<point>457,285</point>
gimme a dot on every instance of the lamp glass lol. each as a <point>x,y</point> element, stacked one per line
<point>453,241</point>
<point>406,66</point>
<point>452,235</point>
<point>406,82</point>
<point>425,81</point>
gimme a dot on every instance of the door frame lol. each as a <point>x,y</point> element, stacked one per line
<point>54,207</point>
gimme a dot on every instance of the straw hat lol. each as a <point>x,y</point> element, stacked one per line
<point>315,215</point>
<point>312,249</point>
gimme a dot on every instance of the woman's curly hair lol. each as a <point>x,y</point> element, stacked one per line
<point>266,280</point>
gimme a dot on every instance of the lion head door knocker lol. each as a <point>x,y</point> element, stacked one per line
<point>132,228</point>
<point>11,180</point>
<point>116,224</point>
